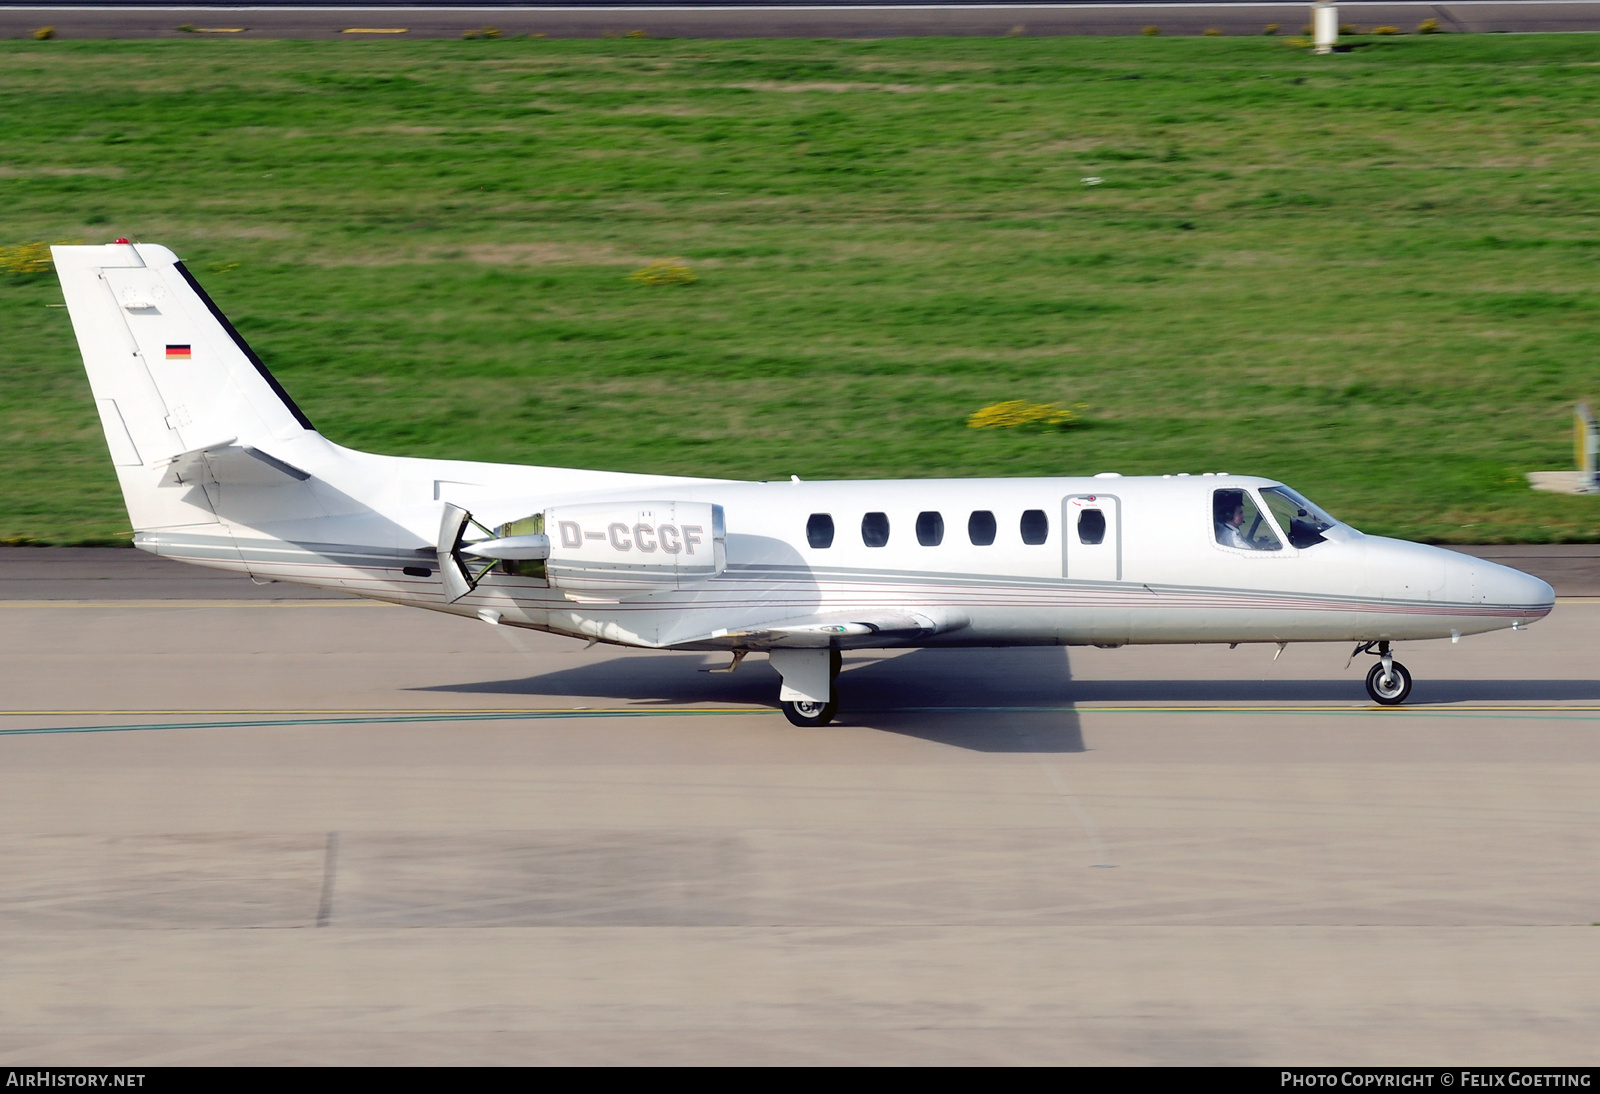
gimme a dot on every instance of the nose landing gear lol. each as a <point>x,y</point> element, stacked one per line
<point>1389,687</point>
<point>1389,682</point>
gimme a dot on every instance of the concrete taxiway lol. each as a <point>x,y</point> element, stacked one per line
<point>243,825</point>
<point>388,22</point>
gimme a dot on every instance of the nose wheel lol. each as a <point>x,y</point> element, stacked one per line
<point>1389,687</point>
<point>1389,682</point>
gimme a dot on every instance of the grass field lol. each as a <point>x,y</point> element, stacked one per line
<point>1372,275</point>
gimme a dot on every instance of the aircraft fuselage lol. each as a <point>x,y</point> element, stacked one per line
<point>1156,575</point>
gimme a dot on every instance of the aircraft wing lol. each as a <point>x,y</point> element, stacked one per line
<point>848,628</point>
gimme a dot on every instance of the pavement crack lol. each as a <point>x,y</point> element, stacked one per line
<point>330,859</point>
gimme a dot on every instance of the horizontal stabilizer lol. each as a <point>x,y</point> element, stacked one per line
<point>229,464</point>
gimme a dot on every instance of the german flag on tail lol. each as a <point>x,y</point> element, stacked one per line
<point>179,353</point>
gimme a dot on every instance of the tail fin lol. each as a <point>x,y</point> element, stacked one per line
<point>173,381</point>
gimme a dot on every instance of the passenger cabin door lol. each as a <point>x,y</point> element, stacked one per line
<point>1091,538</point>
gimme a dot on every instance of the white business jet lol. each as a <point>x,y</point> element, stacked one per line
<point>219,467</point>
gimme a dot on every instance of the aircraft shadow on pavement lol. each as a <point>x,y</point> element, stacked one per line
<point>902,694</point>
<point>978,699</point>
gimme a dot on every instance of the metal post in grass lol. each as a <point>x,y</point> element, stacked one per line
<point>1586,453</point>
<point>1324,27</point>
<point>1588,449</point>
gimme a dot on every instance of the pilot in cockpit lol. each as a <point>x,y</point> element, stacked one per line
<point>1229,509</point>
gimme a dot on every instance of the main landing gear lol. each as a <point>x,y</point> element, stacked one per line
<point>1389,682</point>
<point>802,681</point>
<point>805,712</point>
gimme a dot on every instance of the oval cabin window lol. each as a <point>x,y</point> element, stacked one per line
<point>930,529</point>
<point>1035,527</point>
<point>1091,526</point>
<point>875,529</point>
<point>981,528</point>
<point>819,530</point>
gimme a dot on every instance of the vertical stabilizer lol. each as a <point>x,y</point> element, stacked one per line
<point>170,375</point>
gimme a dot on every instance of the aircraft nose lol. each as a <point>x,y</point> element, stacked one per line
<point>1501,585</point>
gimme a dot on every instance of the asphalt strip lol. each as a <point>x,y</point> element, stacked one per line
<point>1565,713</point>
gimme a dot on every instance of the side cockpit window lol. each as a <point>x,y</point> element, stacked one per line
<point>1240,523</point>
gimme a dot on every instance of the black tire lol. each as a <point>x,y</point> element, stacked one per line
<point>835,663</point>
<point>809,715</point>
<point>1390,693</point>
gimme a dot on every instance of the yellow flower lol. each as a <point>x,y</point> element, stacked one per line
<point>1017,413</point>
<point>25,258</point>
<point>664,273</point>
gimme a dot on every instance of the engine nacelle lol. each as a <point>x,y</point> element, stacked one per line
<point>601,549</point>
<point>634,546</point>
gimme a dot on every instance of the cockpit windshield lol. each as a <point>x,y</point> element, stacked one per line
<point>1300,520</point>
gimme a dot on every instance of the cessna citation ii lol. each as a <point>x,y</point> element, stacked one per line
<point>219,467</point>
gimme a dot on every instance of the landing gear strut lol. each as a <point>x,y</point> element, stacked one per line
<point>805,712</point>
<point>1389,682</point>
